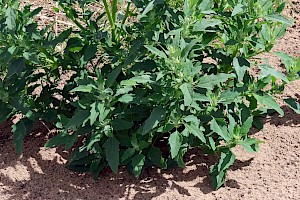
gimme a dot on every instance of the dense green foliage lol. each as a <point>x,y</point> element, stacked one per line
<point>157,73</point>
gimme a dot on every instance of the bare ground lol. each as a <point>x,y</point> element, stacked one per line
<point>273,173</point>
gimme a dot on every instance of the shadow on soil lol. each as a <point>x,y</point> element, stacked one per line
<point>46,179</point>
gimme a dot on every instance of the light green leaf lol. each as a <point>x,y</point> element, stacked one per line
<point>137,164</point>
<point>267,70</point>
<point>240,66</point>
<point>175,140</point>
<point>214,126</point>
<point>238,9</point>
<point>84,88</point>
<point>269,102</point>
<point>186,88</point>
<point>111,147</point>
<point>279,18</point>
<point>209,81</point>
<point>156,51</point>
<point>10,18</point>
<point>198,132</point>
<point>205,23</point>
<point>148,8</point>
<point>93,113</point>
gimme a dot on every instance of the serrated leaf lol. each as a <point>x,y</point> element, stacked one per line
<point>250,144</point>
<point>269,102</point>
<point>78,119</point>
<point>175,140</point>
<point>198,132</point>
<point>267,70</point>
<point>93,113</point>
<point>209,81</point>
<point>218,171</point>
<point>111,147</point>
<point>214,126</point>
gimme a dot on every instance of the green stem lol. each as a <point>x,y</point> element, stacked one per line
<point>111,17</point>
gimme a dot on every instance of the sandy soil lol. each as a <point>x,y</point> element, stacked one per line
<point>273,173</point>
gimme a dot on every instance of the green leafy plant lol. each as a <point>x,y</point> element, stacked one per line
<point>148,82</point>
<point>292,65</point>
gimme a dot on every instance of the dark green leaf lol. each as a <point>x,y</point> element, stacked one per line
<point>111,147</point>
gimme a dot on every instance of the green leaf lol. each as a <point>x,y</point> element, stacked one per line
<point>218,171</point>
<point>19,132</point>
<point>156,51</point>
<point>238,9</point>
<point>16,67</point>
<point>10,18</point>
<point>202,25</point>
<point>155,155</point>
<point>293,104</point>
<point>121,124</point>
<point>240,66</point>
<point>155,117</point>
<point>175,141</point>
<point>250,144</point>
<point>186,88</point>
<point>63,138</point>
<point>214,126</point>
<point>267,70</point>
<point>93,113</point>
<point>269,102</point>
<point>111,147</point>
<point>209,81</point>
<point>84,88</point>
<point>78,119</point>
<point>128,153</point>
<point>245,128</point>
<point>198,132</point>
<point>137,164</point>
<point>148,8</point>
<point>279,18</point>
<point>113,76</point>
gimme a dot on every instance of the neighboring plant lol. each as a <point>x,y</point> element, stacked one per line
<point>291,64</point>
<point>154,74</point>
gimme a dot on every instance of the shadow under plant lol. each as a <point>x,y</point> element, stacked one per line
<point>40,174</point>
